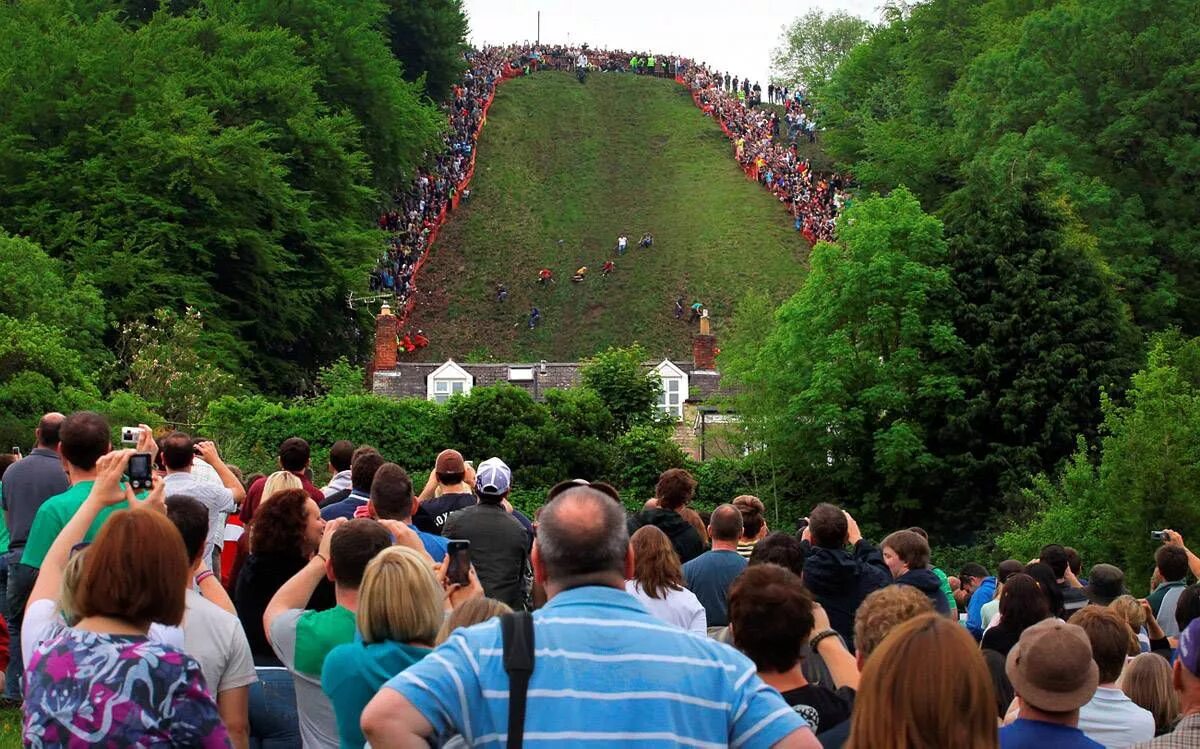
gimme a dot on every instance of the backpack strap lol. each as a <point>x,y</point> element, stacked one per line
<point>516,629</point>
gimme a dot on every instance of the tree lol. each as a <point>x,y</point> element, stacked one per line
<point>625,385</point>
<point>341,378</point>
<point>812,47</point>
<point>429,39</point>
<point>860,373</point>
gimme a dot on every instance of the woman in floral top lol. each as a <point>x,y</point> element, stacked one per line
<point>103,682</point>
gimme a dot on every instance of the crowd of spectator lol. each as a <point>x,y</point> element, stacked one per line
<point>368,612</point>
<point>418,210</point>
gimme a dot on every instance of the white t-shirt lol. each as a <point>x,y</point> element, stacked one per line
<point>680,608</point>
<point>215,638</point>
<point>43,621</point>
<point>1114,720</point>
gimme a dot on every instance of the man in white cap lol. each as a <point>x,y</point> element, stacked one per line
<point>499,542</point>
<point>1053,674</point>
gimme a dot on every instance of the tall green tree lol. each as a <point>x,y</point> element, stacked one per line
<point>624,384</point>
<point>813,45</point>
<point>852,387</point>
<point>429,38</point>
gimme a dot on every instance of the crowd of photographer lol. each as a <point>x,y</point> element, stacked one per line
<point>373,611</point>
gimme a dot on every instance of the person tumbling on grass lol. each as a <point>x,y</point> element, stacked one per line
<point>647,240</point>
<point>622,243</point>
<point>609,267</point>
<point>501,292</point>
<point>696,308</point>
<point>535,316</point>
<point>679,308</point>
<point>545,277</point>
<point>580,274</point>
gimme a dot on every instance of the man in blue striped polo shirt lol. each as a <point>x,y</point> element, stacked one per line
<point>605,670</point>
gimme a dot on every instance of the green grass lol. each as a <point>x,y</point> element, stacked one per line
<point>580,164</point>
<point>10,727</point>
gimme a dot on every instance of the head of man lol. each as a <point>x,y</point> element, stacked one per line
<point>367,461</point>
<point>883,611</point>
<point>341,454</point>
<point>972,576</point>
<point>83,438</point>
<point>1187,608</point>
<point>353,545</point>
<point>1172,563</point>
<point>1110,637</point>
<point>294,455</point>
<point>1055,555</point>
<point>191,518</point>
<point>48,430</point>
<point>675,488</point>
<point>493,481</point>
<point>1053,672</point>
<point>725,525</point>
<point>904,551</point>
<point>1007,569</point>
<point>828,527</point>
<point>392,493</point>
<point>1186,676</point>
<point>780,548</point>
<point>582,540</point>
<point>771,617</point>
<point>177,451</point>
<point>450,468</point>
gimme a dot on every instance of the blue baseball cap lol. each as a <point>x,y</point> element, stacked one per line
<point>493,478</point>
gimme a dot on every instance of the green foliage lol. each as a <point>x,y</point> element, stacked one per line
<point>642,453</point>
<point>163,362</point>
<point>627,388</point>
<point>1148,472</point>
<point>861,370</point>
<point>429,38</point>
<point>1093,89</point>
<point>811,48</point>
<point>341,378</point>
<point>212,160</point>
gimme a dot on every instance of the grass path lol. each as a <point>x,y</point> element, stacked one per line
<point>561,170</point>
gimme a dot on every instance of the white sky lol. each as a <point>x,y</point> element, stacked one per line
<point>737,36</point>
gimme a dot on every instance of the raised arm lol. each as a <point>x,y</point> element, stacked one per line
<point>208,451</point>
<point>295,592</point>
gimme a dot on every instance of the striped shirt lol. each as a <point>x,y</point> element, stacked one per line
<point>607,672</point>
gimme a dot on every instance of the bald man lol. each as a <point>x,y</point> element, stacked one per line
<point>710,574</point>
<point>593,642</point>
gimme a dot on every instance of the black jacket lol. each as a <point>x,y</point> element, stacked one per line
<point>840,580</point>
<point>684,537</point>
<point>929,584</point>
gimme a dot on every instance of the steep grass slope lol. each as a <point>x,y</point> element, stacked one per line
<point>561,170</point>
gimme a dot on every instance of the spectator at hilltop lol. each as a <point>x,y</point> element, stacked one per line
<point>582,556</point>
<point>952,607</point>
<point>1004,571</point>
<point>906,555</point>
<point>982,588</point>
<point>1186,680</point>
<point>341,456</point>
<point>674,490</point>
<point>754,527</point>
<point>710,574</point>
<point>499,541</point>
<point>294,457</point>
<point>392,499</point>
<point>450,487</point>
<point>1074,597</point>
<point>1110,718</point>
<point>1171,571</point>
<point>178,452</point>
<point>658,582</point>
<point>1147,682</point>
<point>365,463</point>
<point>1021,606</point>
<point>840,579</point>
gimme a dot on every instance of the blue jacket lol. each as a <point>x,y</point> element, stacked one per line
<point>984,593</point>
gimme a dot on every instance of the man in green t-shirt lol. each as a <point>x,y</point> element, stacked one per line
<point>303,638</point>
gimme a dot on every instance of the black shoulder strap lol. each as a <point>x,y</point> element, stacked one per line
<point>516,629</point>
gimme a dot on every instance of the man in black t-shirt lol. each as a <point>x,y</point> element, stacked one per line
<point>448,489</point>
<point>772,616</point>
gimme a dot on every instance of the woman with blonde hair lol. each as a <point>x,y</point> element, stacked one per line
<point>399,612</point>
<point>658,581</point>
<point>278,482</point>
<point>471,612</point>
<point>925,687</point>
<point>1147,681</point>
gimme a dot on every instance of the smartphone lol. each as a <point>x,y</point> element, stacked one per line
<point>129,435</point>
<point>1158,535</point>
<point>458,567</point>
<point>16,450</point>
<point>139,471</point>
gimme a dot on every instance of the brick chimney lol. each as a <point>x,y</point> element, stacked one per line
<point>704,352</point>
<point>386,328</point>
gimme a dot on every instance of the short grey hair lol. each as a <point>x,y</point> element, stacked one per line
<point>582,532</point>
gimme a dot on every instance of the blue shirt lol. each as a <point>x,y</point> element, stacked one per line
<point>606,672</point>
<point>354,672</point>
<point>435,545</point>
<point>1034,734</point>
<point>709,577</point>
<point>345,508</point>
<point>984,593</point>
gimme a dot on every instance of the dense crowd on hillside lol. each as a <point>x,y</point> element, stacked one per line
<point>411,224</point>
<point>156,597</point>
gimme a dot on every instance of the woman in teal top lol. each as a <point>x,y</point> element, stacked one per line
<point>399,612</point>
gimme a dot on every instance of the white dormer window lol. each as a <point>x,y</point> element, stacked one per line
<point>448,380</point>
<point>674,389</point>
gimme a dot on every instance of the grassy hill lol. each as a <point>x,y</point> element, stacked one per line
<point>561,170</point>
